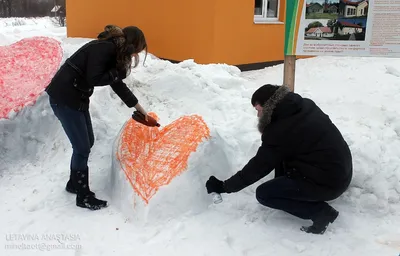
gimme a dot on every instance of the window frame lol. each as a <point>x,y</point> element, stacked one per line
<point>263,19</point>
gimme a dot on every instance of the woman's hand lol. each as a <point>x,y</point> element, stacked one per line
<point>141,110</point>
<point>141,116</point>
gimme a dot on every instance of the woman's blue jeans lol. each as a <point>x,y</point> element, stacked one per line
<point>78,128</point>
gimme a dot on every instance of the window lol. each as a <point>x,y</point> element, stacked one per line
<point>266,11</point>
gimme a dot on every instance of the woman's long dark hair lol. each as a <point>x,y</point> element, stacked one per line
<point>129,41</point>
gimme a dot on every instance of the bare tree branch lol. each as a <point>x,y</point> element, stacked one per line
<point>29,8</point>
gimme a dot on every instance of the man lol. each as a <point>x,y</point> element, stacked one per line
<point>312,161</point>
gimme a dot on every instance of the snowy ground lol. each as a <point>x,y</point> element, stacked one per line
<point>360,95</point>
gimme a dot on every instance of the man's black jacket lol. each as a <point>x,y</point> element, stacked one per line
<point>94,64</point>
<point>302,137</point>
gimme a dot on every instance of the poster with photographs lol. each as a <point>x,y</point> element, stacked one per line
<point>349,27</point>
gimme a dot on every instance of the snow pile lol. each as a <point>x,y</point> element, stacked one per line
<point>26,67</point>
<point>14,29</point>
<point>190,88</point>
<point>359,94</point>
<point>183,197</point>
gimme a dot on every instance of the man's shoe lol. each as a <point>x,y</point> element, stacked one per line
<point>321,221</point>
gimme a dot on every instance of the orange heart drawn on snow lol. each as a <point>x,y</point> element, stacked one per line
<point>151,157</point>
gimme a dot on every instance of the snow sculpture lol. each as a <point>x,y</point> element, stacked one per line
<point>26,68</point>
<point>159,173</point>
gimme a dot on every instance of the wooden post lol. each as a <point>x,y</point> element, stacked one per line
<point>289,70</point>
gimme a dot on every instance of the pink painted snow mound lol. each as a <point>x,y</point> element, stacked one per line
<point>26,68</point>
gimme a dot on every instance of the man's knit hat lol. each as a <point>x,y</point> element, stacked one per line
<point>262,94</point>
<point>268,96</point>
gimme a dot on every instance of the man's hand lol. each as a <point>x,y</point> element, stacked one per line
<point>215,185</point>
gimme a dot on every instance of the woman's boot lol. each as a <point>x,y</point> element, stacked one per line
<point>83,196</point>
<point>71,184</point>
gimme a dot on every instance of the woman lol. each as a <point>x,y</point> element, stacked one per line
<point>105,61</point>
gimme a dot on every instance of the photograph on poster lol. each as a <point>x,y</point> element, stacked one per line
<point>336,20</point>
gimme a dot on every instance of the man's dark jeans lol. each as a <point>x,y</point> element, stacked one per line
<point>78,127</point>
<point>297,196</point>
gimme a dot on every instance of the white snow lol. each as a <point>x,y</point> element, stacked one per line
<point>359,94</point>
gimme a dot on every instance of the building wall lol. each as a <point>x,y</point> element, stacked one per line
<point>170,31</point>
<point>352,10</point>
<point>361,9</point>
<point>239,41</point>
<point>208,31</point>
